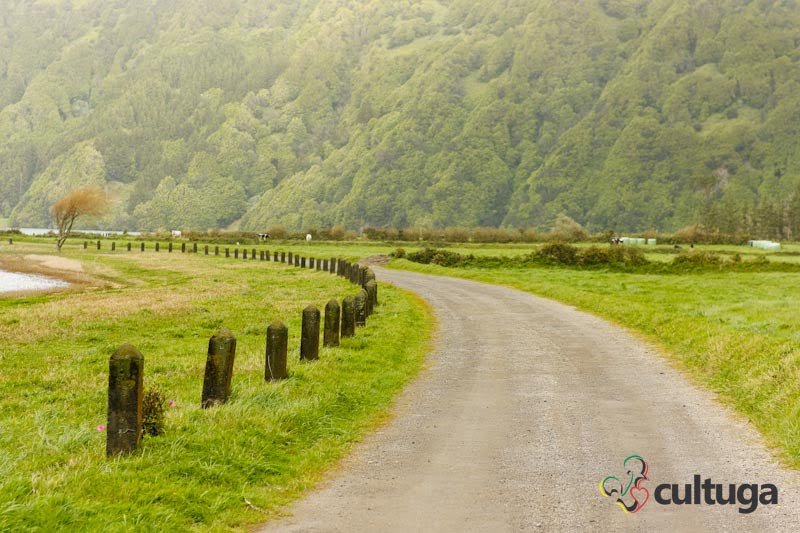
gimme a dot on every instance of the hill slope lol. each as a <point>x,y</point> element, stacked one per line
<point>629,114</point>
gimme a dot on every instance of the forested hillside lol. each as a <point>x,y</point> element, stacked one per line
<point>198,114</point>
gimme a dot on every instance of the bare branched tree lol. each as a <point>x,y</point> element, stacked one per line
<point>86,201</point>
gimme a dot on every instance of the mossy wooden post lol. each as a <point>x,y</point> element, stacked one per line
<point>142,247</point>
<point>85,243</point>
<point>324,265</point>
<point>372,291</point>
<point>125,392</point>
<point>219,368</point>
<point>158,246</point>
<point>283,257</point>
<point>216,250</point>
<point>277,342</point>
<point>290,258</point>
<point>348,317</point>
<point>330,335</point>
<point>113,246</point>
<point>276,256</point>
<point>129,247</point>
<point>169,247</point>
<point>205,250</point>
<point>369,276</point>
<point>194,248</point>
<point>236,253</point>
<point>296,260</point>
<point>261,255</point>
<point>302,262</point>
<point>253,255</point>
<point>332,266</point>
<point>183,247</point>
<point>244,253</point>
<point>227,252</point>
<point>361,308</point>
<point>309,335</point>
<point>98,245</point>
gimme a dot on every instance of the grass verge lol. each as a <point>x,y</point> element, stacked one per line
<point>214,469</point>
<point>737,333</point>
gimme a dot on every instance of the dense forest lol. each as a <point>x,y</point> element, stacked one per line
<point>199,114</point>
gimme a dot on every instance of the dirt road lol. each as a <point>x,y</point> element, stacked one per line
<point>526,405</point>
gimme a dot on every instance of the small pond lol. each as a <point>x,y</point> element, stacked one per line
<point>13,282</point>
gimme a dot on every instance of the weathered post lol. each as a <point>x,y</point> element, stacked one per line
<point>302,262</point>
<point>261,255</point>
<point>169,247</point>
<point>216,250</point>
<point>311,263</point>
<point>85,243</point>
<point>194,247</point>
<point>372,290</point>
<point>183,247</point>
<point>361,308</point>
<point>290,258</point>
<point>244,253</point>
<point>10,240</point>
<point>205,249</point>
<point>113,246</point>
<point>283,257</point>
<point>253,255</point>
<point>369,276</point>
<point>158,246</point>
<point>309,338</point>
<point>348,317</point>
<point>330,336</point>
<point>219,368</point>
<point>142,247</point>
<point>296,260</point>
<point>129,246</point>
<point>236,253</point>
<point>332,266</point>
<point>275,256</point>
<point>325,265</point>
<point>277,342</point>
<point>125,392</point>
<point>98,244</point>
<point>227,252</point>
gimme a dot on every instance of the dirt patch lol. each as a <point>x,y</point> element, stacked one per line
<point>375,260</point>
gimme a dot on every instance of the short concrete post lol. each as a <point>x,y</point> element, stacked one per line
<point>219,368</point>
<point>309,337</point>
<point>330,336</point>
<point>277,342</point>
<point>125,392</point>
<point>372,290</point>
<point>348,317</point>
<point>361,308</point>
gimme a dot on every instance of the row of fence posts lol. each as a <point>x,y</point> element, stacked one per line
<point>126,365</point>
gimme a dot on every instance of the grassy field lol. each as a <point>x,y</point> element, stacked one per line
<point>735,333</point>
<point>214,469</point>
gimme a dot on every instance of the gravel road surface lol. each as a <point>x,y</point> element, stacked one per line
<point>526,405</point>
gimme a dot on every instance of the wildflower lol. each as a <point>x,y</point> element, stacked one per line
<point>101,427</point>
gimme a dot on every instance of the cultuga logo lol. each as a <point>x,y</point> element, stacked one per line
<point>631,496</point>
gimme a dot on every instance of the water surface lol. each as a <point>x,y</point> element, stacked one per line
<point>13,282</point>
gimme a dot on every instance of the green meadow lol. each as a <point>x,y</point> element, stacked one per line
<point>214,469</point>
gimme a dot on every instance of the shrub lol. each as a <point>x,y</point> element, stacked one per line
<point>399,253</point>
<point>558,253</point>
<point>153,405</point>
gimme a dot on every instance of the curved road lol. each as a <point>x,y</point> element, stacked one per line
<point>525,406</point>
